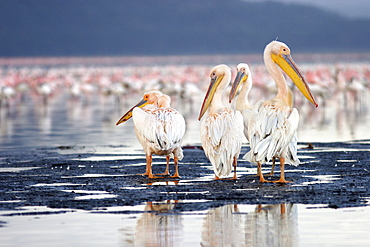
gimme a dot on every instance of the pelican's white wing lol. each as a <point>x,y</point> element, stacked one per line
<point>162,128</point>
<point>291,157</point>
<point>270,132</point>
<point>173,123</point>
<point>221,136</point>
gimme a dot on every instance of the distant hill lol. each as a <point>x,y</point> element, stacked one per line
<point>171,27</point>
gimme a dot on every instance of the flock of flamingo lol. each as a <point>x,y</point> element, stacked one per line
<point>270,126</point>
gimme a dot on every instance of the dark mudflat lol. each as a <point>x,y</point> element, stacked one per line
<point>334,174</point>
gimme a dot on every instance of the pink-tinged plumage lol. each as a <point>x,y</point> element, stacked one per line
<point>159,129</point>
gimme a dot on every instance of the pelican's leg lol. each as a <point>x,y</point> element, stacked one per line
<point>150,175</point>
<point>282,175</point>
<point>149,167</point>
<point>167,171</point>
<point>217,177</point>
<point>268,174</point>
<point>272,167</point>
<point>259,171</point>
<point>148,164</point>
<point>235,163</point>
<point>176,162</point>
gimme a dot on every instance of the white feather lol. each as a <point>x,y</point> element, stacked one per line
<point>272,133</point>
<point>221,138</point>
<point>160,129</point>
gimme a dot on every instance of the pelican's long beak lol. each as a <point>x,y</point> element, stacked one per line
<point>215,81</point>
<point>240,77</point>
<point>128,114</point>
<point>287,64</point>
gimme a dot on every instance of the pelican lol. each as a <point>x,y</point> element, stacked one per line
<point>159,128</point>
<point>222,129</point>
<point>244,78</point>
<point>272,124</point>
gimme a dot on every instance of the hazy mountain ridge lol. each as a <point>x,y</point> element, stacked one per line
<point>171,27</point>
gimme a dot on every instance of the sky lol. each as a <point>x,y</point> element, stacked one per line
<point>350,8</point>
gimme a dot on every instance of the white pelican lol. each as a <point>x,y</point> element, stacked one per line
<point>222,130</point>
<point>244,77</point>
<point>272,124</point>
<point>159,128</point>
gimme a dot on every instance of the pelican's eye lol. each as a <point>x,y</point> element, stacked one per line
<point>285,50</point>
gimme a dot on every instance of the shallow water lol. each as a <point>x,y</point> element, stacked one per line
<point>88,126</point>
<point>65,122</point>
<point>158,224</point>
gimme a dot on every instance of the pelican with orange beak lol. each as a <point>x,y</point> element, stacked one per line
<point>159,129</point>
<point>222,128</point>
<point>272,124</point>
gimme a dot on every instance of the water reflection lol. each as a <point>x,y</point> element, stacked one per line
<point>223,226</point>
<point>68,123</point>
<point>274,225</point>
<point>158,226</point>
<point>267,225</point>
<point>118,226</point>
<point>228,225</point>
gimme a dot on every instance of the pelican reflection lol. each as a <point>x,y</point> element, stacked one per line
<point>265,225</point>
<point>158,225</point>
<point>223,226</point>
<point>273,225</point>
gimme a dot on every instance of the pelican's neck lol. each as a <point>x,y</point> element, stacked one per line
<point>164,101</point>
<point>242,101</point>
<point>284,93</point>
<point>216,103</point>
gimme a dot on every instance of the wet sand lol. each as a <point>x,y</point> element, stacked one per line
<point>333,174</point>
